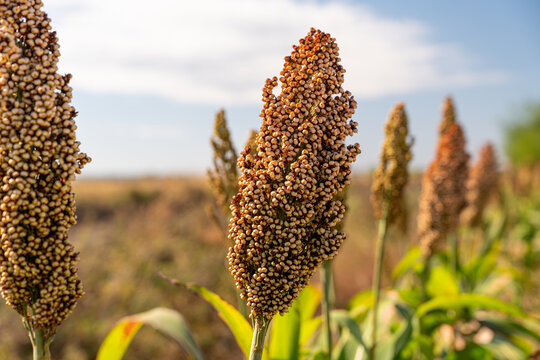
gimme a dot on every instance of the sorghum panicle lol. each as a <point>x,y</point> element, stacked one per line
<point>39,157</point>
<point>391,175</point>
<point>284,215</point>
<point>251,144</point>
<point>443,191</point>
<point>482,182</point>
<point>224,174</point>
<point>448,115</point>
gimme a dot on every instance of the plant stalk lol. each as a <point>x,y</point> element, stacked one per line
<point>381,236</point>
<point>242,305</point>
<point>424,277</point>
<point>41,346</point>
<point>454,244</point>
<point>326,305</point>
<point>259,334</point>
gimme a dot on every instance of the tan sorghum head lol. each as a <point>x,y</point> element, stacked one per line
<point>224,174</point>
<point>391,175</point>
<point>39,157</point>
<point>482,182</point>
<point>443,191</point>
<point>284,215</point>
<point>448,115</point>
<point>251,143</point>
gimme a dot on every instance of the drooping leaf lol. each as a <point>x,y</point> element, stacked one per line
<point>472,301</point>
<point>168,322</point>
<point>239,326</point>
<point>407,262</point>
<point>360,304</point>
<point>291,331</point>
<point>442,283</point>
<point>403,336</point>
<point>345,320</point>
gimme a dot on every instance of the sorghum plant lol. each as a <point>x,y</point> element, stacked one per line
<point>251,142</point>
<point>284,215</point>
<point>482,182</point>
<point>443,191</point>
<point>389,182</point>
<point>448,116</point>
<point>39,158</point>
<point>224,174</point>
<point>391,175</point>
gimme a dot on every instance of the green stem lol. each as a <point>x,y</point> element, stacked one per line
<point>259,333</point>
<point>242,305</point>
<point>381,236</point>
<point>424,277</point>
<point>41,346</point>
<point>326,305</point>
<point>454,244</point>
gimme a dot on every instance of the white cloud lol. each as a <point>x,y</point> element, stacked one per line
<point>220,52</point>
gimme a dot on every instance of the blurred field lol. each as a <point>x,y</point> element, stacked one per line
<point>129,229</point>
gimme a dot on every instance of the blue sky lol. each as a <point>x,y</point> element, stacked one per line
<point>148,80</point>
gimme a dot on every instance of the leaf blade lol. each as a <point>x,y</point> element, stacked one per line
<point>168,322</point>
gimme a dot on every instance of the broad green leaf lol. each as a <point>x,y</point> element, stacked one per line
<point>168,322</point>
<point>505,350</point>
<point>403,336</point>
<point>348,348</point>
<point>344,320</point>
<point>510,327</point>
<point>308,329</point>
<point>442,283</point>
<point>292,330</point>
<point>360,304</point>
<point>408,262</point>
<point>238,324</point>
<point>285,336</point>
<point>469,301</point>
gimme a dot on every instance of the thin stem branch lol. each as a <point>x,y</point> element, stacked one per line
<point>259,334</point>
<point>381,236</point>
<point>326,305</point>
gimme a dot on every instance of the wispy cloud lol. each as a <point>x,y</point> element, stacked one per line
<point>220,52</point>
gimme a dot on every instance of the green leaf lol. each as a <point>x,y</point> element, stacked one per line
<point>360,304</point>
<point>345,320</point>
<point>168,322</point>
<point>442,283</point>
<point>469,301</point>
<point>291,331</point>
<point>238,324</point>
<point>348,348</point>
<point>408,262</point>
<point>403,336</point>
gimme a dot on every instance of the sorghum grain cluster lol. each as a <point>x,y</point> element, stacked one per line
<point>285,213</point>
<point>482,182</point>
<point>443,191</point>
<point>224,174</point>
<point>448,116</point>
<point>391,175</point>
<point>39,157</point>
